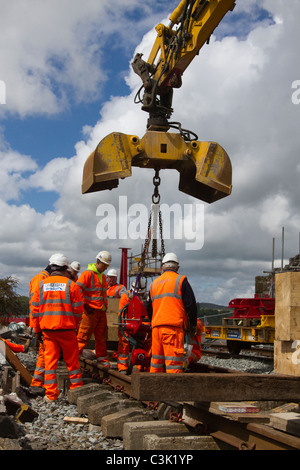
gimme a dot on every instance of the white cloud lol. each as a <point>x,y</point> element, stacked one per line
<point>236,92</point>
<point>57,52</point>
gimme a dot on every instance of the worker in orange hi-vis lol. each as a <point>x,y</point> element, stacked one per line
<point>93,284</point>
<point>37,384</point>
<point>57,308</point>
<point>123,344</point>
<point>74,269</point>
<point>114,290</point>
<point>195,342</point>
<point>172,309</point>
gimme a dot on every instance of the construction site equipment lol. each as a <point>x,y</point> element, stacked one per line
<point>135,326</point>
<point>252,321</point>
<point>204,167</point>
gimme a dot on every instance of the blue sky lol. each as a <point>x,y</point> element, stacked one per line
<point>66,66</point>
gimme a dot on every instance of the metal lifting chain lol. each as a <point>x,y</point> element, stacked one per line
<point>156,182</point>
<point>155,200</point>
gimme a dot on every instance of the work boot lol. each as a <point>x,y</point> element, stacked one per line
<point>47,400</point>
<point>37,391</point>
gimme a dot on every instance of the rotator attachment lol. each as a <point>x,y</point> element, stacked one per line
<point>204,167</point>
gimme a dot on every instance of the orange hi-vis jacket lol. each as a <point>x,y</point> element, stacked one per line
<point>166,295</point>
<point>116,291</point>
<point>94,287</point>
<point>33,286</point>
<point>57,304</point>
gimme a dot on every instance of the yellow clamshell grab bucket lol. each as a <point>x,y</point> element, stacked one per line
<point>204,167</point>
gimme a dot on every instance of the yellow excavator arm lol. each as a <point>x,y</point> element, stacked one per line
<point>204,167</point>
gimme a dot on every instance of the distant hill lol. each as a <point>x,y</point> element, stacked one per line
<point>212,306</point>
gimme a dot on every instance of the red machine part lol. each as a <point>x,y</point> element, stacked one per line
<point>136,327</point>
<point>252,307</point>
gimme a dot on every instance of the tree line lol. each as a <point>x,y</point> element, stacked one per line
<point>11,303</point>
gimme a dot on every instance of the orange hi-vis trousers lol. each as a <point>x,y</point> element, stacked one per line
<point>38,376</point>
<point>123,352</point>
<point>96,323</point>
<point>54,341</point>
<point>167,349</point>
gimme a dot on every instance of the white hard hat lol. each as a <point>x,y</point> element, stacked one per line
<point>75,265</point>
<point>104,257</point>
<point>112,272</point>
<point>59,260</point>
<point>142,287</point>
<point>170,257</point>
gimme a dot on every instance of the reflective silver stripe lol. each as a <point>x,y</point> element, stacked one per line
<point>168,367</point>
<point>157,366</point>
<point>175,294</point>
<point>174,358</point>
<point>50,381</point>
<point>158,357</point>
<point>81,285</point>
<point>39,369</point>
<point>39,377</point>
<point>51,371</point>
<point>77,371</point>
<point>55,301</point>
<point>93,288</point>
<point>75,380</point>
<point>52,313</point>
<point>122,361</point>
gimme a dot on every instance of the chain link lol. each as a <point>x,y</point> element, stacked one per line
<point>155,200</point>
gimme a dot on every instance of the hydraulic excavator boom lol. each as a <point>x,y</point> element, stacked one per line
<point>204,167</point>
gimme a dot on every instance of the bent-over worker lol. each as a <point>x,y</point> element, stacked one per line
<point>123,344</point>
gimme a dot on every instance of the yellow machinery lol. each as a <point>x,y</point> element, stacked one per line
<point>252,322</point>
<point>204,167</point>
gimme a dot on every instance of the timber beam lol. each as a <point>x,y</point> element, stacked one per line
<point>210,387</point>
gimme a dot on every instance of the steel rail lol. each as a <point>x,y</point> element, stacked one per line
<point>242,436</point>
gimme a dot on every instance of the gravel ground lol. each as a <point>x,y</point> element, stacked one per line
<point>253,366</point>
<point>50,432</point>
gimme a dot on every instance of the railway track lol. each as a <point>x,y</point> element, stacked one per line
<point>230,430</point>
<point>221,351</point>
